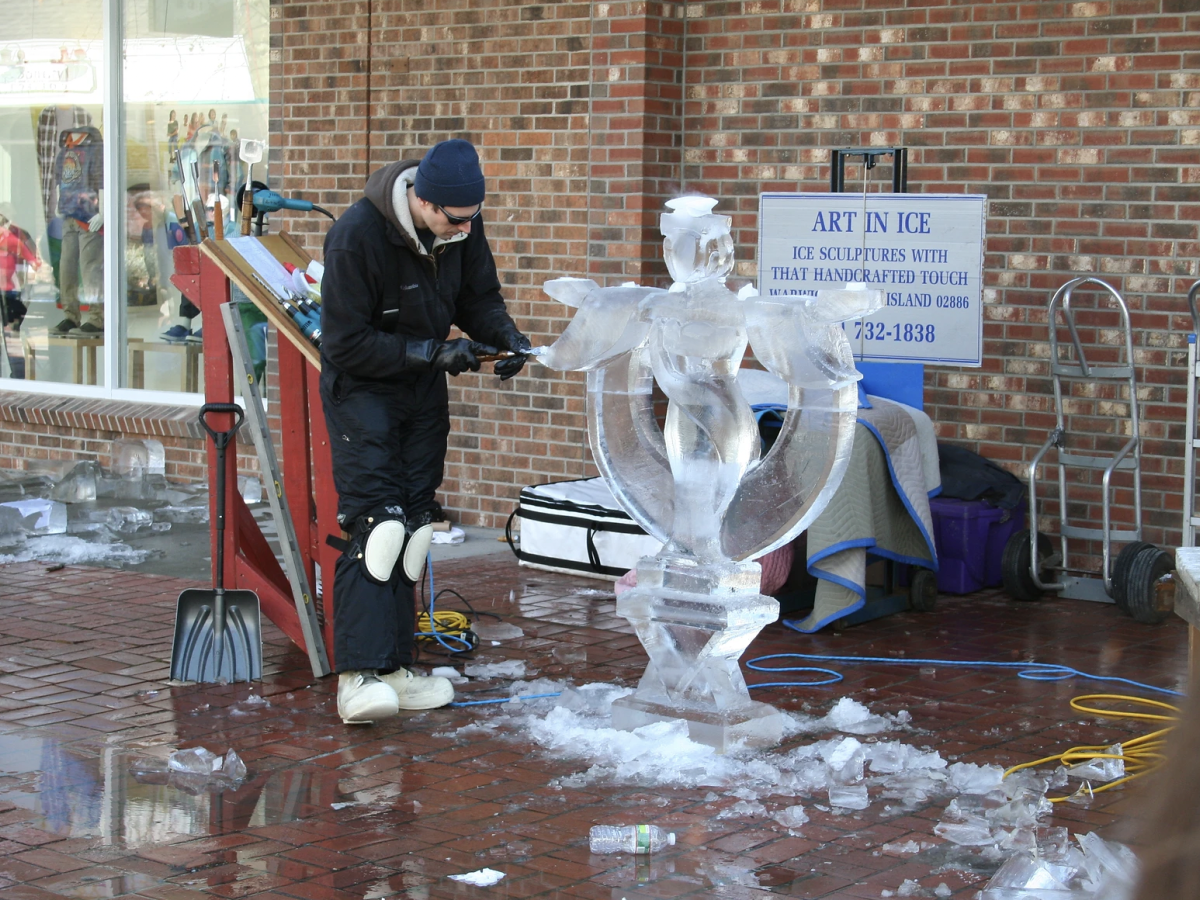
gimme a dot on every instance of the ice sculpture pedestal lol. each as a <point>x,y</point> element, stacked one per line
<point>695,619</point>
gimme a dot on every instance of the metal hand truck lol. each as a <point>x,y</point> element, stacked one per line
<point>1190,519</point>
<point>1030,564</point>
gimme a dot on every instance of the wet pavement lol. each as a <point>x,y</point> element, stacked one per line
<point>331,812</point>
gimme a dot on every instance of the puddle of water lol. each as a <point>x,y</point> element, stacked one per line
<point>75,794</point>
<point>120,885</point>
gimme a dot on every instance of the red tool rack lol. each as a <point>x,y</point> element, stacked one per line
<point>203,274</point>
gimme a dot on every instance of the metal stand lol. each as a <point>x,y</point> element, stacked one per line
<point>306,610</point>
<point>1134,579</point>
<point>310,511</point>
<point>870,158</point>
<point>1190,518</point>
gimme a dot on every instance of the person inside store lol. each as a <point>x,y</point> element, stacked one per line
<point>79,175</point>
<point>18,254</point>
<point>402,265</point>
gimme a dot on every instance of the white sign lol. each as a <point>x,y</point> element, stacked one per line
<point>924,251</point>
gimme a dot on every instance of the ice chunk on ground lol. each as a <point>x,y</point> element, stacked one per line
<point>39,516</point>
<point>1100,769</point>
<point>1107,864</point>
<point>567,654</point>
<point>70,550</point>
<point>844,761</point>
<point>791,817</point>
<point>910,888</point>
<point>913,787</point>
<point>596,697</point>
<point>1023,871</point>
<point>198,769</point>
<point>497,631</point>
<point>481,878</point>
<point>849,796</point>
<point>133,458</point>
<point>847,716</point>
<point>508,668</point>
<point>942,890</point>
<point>79,485</point>
<point>182,515</point>
<point>742,808</point>
<point>968,778</point>
<point>972,831</point>
<point>12,528</point>
<point>129,519</point>
<point>194,761</point>
<point>888,757</point>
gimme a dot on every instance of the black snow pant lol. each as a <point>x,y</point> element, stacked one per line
<point>388,443</point>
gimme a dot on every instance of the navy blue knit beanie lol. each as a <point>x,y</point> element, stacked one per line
<point>449,175</point>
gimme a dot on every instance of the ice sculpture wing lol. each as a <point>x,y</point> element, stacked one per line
<point>608,323</point>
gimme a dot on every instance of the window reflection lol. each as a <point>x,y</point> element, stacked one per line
<point>195,81</point>
<point>51,179</point>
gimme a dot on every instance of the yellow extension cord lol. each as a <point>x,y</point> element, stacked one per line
<point>1141,755</point>
<point>448,622</point>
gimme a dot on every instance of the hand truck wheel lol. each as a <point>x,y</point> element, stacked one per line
<point>1120,573</point>
<point>1148,602</point>
<point>922,590</point>
<point>1016,570</point>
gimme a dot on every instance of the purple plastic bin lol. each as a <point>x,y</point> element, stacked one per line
<point>970,536</point>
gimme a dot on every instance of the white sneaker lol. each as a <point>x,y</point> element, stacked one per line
<point>419,691</point>
<point>363,698</point>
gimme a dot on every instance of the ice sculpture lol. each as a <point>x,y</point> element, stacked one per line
<point>697,483</point>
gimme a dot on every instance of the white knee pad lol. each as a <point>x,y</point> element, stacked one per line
<point>416,551</point>
<point>381,549</point>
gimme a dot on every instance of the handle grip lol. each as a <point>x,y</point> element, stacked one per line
<point>221,438</point>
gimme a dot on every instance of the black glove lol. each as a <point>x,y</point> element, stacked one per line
<point>459,355</point>
<point>513,340</point>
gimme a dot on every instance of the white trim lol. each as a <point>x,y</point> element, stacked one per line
<point>78,391</point>
<point>91,392</point>
<point>114,194</point>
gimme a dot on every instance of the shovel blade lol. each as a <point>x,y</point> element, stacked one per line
<point>198,655</point>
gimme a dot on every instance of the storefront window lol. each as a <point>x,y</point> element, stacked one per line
<point>51,181</point>
<point>194,82</point>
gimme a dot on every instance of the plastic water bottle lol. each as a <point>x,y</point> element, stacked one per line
<point>629,838</point>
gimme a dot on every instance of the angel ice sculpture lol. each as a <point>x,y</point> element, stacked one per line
<point>698,484</point>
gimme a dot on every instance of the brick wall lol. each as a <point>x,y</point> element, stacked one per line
<point>36,429</point>
<point>1080,121</point>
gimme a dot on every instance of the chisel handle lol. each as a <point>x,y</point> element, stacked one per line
<point>247,210</point>
<point>184,218</point>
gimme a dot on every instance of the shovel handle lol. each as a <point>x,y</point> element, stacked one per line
<point>222,438</point>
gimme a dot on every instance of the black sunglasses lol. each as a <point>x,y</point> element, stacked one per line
<point>458,220</point>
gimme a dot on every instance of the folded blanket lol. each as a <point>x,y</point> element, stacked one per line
<point>881,507</point>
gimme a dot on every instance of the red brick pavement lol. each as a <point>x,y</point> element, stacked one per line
<point>84,658</point>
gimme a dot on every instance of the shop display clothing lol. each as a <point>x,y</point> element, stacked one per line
<point>387,304</point>
<point>79,171</point>
<point>52,122</point>
<point>82,261</point>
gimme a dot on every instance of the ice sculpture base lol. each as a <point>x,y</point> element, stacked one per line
<point>753,725</point>
<point>695,620</point>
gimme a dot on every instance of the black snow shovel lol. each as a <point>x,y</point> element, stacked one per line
<point>218,633</point>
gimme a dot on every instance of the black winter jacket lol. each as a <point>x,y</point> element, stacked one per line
<point>371,258</point>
